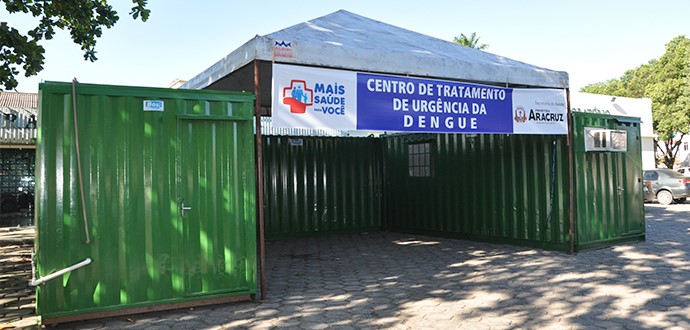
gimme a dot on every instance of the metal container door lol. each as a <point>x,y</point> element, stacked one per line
<point>608,180</point>
<point>211,188</point>
<point>628,180</point>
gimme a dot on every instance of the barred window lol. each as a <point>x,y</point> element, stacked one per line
<point>419,159</point>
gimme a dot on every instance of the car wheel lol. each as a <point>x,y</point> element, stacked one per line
<point>680,200</point>
<point>664,197</point>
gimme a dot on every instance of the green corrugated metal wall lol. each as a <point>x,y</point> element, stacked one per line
<point>489,186</point>
<point>315,185</point>
<point>502,188</point>
<point>608,185</point>
<point>138,168</point>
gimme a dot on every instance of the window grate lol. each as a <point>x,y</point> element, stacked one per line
<point>419,159</point>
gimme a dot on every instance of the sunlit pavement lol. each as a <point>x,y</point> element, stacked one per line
<point>388,280</point>
<point>17,303</point>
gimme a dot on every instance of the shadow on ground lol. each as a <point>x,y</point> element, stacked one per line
<point>388,280</point>
<point>17,304</point>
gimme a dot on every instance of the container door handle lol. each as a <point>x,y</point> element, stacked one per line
<point>184,208</point>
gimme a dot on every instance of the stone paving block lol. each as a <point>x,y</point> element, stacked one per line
<point>286,321</point>
<point>16,313</point>
<point>137,325</point>
<point>337,315</point>
<point>314,325</point>
<point>313,284</point>
<point>241,323</point>
<point>25,323</point>
<point>264,313</point>
<point>419,323</point>
<point>157,327</point>
<point>7,301</point>
<point>362,311</point>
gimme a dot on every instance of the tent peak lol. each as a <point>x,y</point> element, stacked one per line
<point>345,40</point>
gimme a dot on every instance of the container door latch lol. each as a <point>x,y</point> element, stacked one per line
<point>184,208</point>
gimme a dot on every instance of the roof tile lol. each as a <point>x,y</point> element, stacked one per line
<point>18,100</point>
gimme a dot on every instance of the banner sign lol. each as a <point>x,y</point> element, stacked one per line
<point>307,97</point>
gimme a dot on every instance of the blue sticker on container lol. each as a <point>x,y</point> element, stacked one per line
<point>295,142</point>
<point>154,105</point>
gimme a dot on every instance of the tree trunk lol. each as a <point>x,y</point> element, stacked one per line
<point>672,148</point>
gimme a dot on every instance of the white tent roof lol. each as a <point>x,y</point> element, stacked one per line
<point>344,40</point>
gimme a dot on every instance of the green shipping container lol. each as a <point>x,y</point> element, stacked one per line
<point>319,185</point>
<point>493,187</point>
<point>512,189</point>
<point>158,192</point>
<point>515,189</point>
<point>608,183</point>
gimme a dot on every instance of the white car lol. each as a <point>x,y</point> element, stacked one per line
<point>684,171</point>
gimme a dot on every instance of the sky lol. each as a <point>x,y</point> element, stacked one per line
<point>592,40</point>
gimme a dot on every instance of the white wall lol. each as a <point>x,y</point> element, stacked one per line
<point>648,158</point>
<point>621,106</point>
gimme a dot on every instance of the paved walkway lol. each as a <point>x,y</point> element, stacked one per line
<point>397,281</point>
<point>17,303</point>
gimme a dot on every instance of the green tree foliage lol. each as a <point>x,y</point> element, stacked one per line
<point>667,82</point>
<point>84,19</point>
<point>631,84</point>
<point>472,41</point>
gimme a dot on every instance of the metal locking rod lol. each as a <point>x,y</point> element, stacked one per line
<point>184,208</point>
<point>60,272</point>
